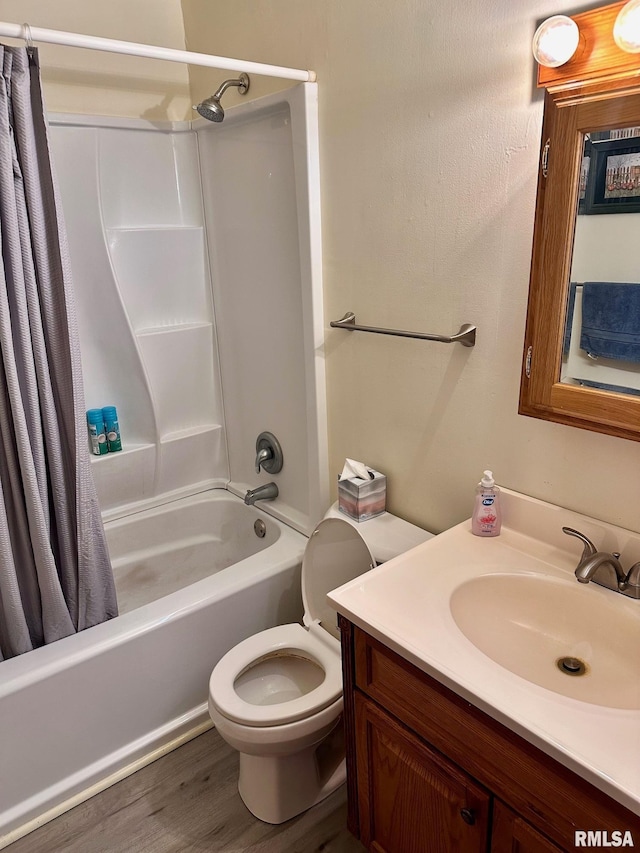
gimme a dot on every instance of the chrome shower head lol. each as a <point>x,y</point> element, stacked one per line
<point>211,108</point>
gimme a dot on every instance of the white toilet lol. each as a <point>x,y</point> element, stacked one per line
<point>277,696</point>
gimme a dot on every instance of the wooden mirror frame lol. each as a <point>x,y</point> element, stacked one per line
<point>597,89</point>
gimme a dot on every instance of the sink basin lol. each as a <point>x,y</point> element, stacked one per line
<point>532,623</point>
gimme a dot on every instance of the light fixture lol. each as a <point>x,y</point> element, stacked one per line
<point>556,40</point>
<point>626,30</point>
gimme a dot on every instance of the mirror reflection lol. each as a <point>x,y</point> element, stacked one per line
<point>601,346</point>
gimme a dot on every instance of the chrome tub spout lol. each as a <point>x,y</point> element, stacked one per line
<point>268,492</point>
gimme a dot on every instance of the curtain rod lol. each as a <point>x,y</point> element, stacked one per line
<point>29,33</point>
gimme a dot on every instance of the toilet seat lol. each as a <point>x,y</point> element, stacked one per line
<point>299,642</point>
<point>335,554</point>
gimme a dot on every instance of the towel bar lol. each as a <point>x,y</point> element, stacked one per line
<point>466,336</point>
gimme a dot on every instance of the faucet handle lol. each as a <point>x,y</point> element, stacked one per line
<point>263,455</point>
<point>589,548</point>
<point>633,576</point>
<point>268,453</point>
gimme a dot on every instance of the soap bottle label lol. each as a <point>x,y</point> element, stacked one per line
<point>98,439</point>
<point>487,517</point>
<point>113,436</point>
<point>112,428</point>
<point>486,520</point>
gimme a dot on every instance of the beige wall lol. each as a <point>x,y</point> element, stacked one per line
<point>430,132</point>
<point>84,81</point>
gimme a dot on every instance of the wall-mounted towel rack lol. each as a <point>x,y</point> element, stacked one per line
<point>466,336</point>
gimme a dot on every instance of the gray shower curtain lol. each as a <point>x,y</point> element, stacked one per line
<point>55,574</point>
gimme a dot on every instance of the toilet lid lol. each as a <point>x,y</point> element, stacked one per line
<point>335,554</point>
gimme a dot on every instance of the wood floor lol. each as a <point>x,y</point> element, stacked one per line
<point>188,801</point>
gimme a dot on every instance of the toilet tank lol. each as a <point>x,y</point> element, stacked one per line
<point>386,535</point>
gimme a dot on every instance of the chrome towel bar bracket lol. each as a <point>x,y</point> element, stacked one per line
<point>466,336</point>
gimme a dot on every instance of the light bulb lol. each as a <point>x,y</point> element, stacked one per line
<point>556,40</point>
<point>626,30</point>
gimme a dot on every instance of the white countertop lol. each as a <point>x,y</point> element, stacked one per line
<point>404,603</point>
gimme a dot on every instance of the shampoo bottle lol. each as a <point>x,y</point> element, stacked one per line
<point>487,516</point>
<point>97,432</point>
<point>112,428</point>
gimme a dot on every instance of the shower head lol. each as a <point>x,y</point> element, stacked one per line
<point>211,108</point>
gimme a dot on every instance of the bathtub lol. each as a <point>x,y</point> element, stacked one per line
<point>193,579</point>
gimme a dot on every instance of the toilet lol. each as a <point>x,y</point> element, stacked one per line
<point>276,697</point>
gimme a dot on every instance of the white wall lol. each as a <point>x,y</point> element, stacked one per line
<point>606,248</point>
<point>86,81</point>
<point>429,141</point>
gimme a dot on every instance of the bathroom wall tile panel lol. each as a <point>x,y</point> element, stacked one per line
<point>251,212</point>
<point>192,458</point>
<point>113,373</point>
<point>149,178</point>
<point>162,275</point>
<point>180,368</point>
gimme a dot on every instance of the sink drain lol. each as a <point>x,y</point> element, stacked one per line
<point>571,666</point>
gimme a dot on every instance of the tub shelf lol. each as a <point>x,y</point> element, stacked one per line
<point>135,229</point>
<point>127,449</point>
<point>189,432</point>
<point>170,328</point>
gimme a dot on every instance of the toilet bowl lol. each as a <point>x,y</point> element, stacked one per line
<point>276,697</point>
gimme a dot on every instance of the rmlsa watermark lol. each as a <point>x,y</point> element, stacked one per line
<point>601,838</point>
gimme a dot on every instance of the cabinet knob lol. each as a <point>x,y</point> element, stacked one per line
<point>468,816</point>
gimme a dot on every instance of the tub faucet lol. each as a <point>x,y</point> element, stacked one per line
<point>604,568</point>
<point>268,492</point>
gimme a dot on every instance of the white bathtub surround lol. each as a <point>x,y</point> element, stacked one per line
<point>92,705</point>
<point>182,303</point>
<point>131,200</point>
<point>261,180</point>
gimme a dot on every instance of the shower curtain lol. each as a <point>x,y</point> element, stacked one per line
<point>55,573</point>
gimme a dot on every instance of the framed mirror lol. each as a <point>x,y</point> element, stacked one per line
<point>581,362</point>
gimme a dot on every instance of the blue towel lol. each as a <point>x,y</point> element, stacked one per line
<point>620,389</point>
<point>611,320</point>
<point>571,304</point>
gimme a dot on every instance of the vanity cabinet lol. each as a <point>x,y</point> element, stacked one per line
<point>511,834</point>
<point>411,798</point>
<point>428,771</point>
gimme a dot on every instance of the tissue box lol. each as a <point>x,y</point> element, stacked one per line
<point>362,499</point>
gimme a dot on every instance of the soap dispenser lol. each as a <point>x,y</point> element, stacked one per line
<point>487,516</point>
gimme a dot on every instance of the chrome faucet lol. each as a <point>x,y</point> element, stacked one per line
<point>587,569</point>
<point>268,492</point>
<point>269,455</point>
<point>604,568</point>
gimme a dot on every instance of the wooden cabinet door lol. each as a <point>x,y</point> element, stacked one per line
<point>512,834</point>
<point>411,799</point>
